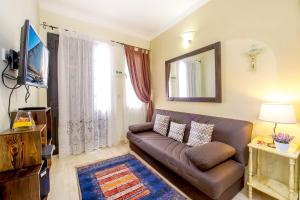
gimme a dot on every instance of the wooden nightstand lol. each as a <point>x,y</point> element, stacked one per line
<point>270,186</point>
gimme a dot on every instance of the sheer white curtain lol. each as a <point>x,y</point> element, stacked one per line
<point>83,82</point>
<point>117,59</point>
<point>193,77</point>
<point>128,108</point>
<point>134,109</point>
<point>96,104</point>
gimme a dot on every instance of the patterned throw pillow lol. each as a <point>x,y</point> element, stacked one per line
<point>161,124</point>
<point>176,131</point>
<point>200,134</point>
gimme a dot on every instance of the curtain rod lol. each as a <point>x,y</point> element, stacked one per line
<point>121,43</point>
<point>45,26</point>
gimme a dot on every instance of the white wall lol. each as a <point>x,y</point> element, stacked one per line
<point>12,17</point>
<point>89,29</point>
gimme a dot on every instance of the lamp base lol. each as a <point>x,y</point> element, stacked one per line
<point>271,145</point>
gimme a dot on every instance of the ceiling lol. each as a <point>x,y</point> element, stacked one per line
<point>145,19</point>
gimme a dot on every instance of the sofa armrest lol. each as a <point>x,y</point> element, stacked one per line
<point>136,128</point>
<point>208,155</point>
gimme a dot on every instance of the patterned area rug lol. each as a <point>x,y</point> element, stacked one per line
<point>123,177</point>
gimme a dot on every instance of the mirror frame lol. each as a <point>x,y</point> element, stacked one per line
<point>218,88</point>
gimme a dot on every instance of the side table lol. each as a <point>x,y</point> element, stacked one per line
<point>268,185</point>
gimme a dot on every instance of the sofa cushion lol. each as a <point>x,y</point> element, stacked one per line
<point>200,134</point>
<point>136,128</point>
<point>210,154</point>
<point>161,124</point>
<point>171,153</point>
<point>176,131</point>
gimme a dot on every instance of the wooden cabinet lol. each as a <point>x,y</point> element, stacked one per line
<point>21,148</point>
<point>25,159</point>
<point>20,184</point>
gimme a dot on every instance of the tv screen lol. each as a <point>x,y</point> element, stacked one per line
<point>34,58</point>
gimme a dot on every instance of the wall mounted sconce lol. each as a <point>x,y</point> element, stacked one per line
<point>188,37</point>
<point>253,53</point>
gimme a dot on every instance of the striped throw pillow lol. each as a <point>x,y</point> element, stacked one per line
<point>200,134</point>
<point>161,124</point>
<point>176,131</point>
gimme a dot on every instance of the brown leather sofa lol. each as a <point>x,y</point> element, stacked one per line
<point>168,156</point>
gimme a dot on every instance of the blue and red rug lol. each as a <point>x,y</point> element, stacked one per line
<point>123,177</point>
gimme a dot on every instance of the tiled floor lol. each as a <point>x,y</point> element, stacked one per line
<point>64,180</point>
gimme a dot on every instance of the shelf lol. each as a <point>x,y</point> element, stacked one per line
<point>13,175</point>
<point>37,128</point>
<point>271,187</point>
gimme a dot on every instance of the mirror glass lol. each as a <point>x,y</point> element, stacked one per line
<point>193,76</point>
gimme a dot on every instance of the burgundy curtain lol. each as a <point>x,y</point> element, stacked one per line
<point>138,62</point>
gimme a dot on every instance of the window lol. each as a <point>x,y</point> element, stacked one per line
<point>102,76</point>
<point>131,99</point>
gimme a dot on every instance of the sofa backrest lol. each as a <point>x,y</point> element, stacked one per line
<point>236,133</point>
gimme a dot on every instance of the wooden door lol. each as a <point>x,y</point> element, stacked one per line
<point>52,92</point>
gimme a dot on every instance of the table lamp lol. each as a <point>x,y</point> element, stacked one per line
<point>278,113</point>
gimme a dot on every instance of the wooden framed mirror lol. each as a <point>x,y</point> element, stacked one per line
<point>195,76</point>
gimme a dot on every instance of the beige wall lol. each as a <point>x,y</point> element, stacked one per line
<point>12,17</point>
<point>92,30</point>
<point>238,24</point>
<point>273,25</point>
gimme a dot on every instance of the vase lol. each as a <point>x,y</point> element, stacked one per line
<point>282,147</point>
<point>23,121</point>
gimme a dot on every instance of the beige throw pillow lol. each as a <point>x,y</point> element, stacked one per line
<point>161,124</point>
<point>200,134</point>
<point>176,131</point>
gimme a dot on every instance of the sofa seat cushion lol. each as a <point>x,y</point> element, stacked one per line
<point>153,143</point>
<point>171,153</point>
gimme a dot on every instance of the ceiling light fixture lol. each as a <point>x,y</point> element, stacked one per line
<point>188,37</point>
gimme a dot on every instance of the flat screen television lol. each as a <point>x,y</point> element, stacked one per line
<point>34,58</point>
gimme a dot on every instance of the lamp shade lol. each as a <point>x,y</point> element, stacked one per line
<point>277,113</point>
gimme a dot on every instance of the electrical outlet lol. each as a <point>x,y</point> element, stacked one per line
<point>3,54</point>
